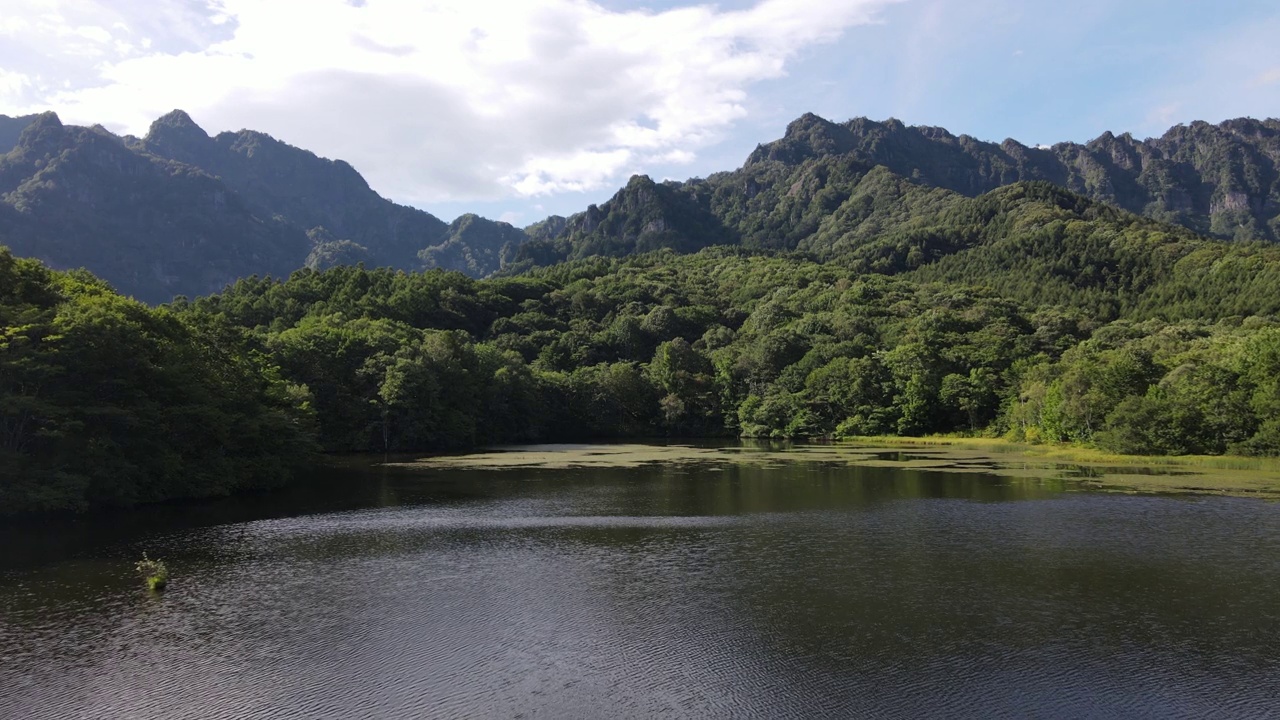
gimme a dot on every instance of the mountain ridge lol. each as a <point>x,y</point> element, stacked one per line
<point>1132,174</point>
<point>273,208</point>
<point>309,190</point>
<point>1221,181</point>
<point>158,228</point>
<point>836,190</point>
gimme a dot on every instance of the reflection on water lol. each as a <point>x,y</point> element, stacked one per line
<point>666,591</point>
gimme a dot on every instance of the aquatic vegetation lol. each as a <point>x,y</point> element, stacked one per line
<point>1079,468</point>
<point>154,572</point>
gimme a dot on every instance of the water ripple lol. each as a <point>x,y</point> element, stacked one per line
<point>582,600</point>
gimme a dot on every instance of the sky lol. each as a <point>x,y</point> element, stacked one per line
<point>521,109</point>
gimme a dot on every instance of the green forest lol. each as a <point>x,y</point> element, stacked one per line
<point>848,280</point>
<point>107,402</point>
<point>1028,313</point>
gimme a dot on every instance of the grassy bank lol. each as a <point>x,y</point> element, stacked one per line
<point>1201,474</point>
<point>1076,453</point>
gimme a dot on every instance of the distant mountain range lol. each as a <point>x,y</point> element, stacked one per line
<point>180,212</point>
<point>825,186</point>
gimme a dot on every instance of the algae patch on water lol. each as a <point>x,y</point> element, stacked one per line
<point>558,457</point>
<point>1103,474</point>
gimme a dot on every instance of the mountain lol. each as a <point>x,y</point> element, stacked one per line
<point>181,212</point>
<point>829,187</point>
<point>178,212</point>
<point>1219,180</point>
<point>154,228</point>
<point>641,217</point>
<point>307,190</point>
<point>473,245</point>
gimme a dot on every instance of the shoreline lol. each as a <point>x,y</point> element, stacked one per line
<point>1071,453</point>
<point>1234,475</point>
<point>1083,468</point>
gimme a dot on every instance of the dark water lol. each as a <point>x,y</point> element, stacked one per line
<point>677,591</point>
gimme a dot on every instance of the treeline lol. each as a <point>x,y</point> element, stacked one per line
<point>1157,388</point>
<point>104,401</point>
<point>1029,313</point>
<point>726,342</point>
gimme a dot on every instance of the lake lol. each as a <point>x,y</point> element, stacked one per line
<point>689,587</point>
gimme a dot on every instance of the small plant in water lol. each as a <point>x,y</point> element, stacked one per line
<point>153,572</point>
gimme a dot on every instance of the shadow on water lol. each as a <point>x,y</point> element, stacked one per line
<point>352,485</point>
<point>364,483</point>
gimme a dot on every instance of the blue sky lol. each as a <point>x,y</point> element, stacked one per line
<point>519,110</point>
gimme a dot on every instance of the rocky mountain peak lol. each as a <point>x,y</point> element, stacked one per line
<point>177,120</point>
<point>177,136</point>
<point>45,120</point>
<point>806,122</point>
<point>806,136</point>
<point>44,135</point>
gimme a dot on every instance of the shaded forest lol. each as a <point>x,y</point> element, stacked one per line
<point>105,401</point>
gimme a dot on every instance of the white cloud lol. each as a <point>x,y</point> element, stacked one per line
<point>13,87</point>
<point>65,45</point>
<point>1164,116</point>
<point>452,100</point>
<point>674,157</point>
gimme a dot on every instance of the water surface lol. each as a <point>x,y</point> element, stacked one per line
<point>690,589</point>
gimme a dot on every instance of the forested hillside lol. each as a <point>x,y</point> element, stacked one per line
<point>104,401</point>
<point>1170,344</point>
<point>473,245</point>
<point>726,341</point>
